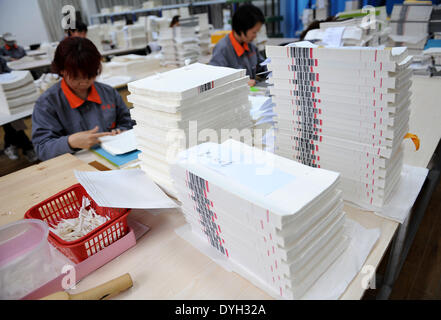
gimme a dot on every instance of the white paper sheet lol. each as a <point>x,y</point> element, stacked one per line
<point>124,189</point>
<point>120,143</point>
<point>331,285</point>
<point>332,36</point>
<point>403,198</point>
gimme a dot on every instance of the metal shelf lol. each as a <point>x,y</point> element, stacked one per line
<point>161,8</point>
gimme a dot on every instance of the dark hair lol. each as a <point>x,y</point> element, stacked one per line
<point>174,21</point>
<point>77,56</point>
<point>246,17</point>
<point>79,27</point>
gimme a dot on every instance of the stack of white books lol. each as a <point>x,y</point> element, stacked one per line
<point>18,92</point>
<point>179,44</point>
<point>352,32</point>
<point>135,35</point>
<point>344,109</point>
<point>203,32</point>
<point>410,26</point>
<point>280,223</point>
<point>184,107</point>
<point>132,65</point>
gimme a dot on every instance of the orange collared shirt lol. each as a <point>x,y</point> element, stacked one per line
<point>74,100</point>
<point>240,50</point>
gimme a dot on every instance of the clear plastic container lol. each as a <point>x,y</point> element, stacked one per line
<point>25,258</point>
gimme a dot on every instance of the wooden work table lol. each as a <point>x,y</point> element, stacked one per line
<point>162,265</point>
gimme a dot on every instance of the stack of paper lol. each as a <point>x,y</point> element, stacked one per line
<point>95,34</point>
<point>344,109</point>
<point>18,92</point>
<point>422,64</point>
<point>131,65</point>
<point>434,53</point>
<point>184,107</point>
<point>352,32</point>
<point>279,221</point>
<point>410,26</point>
<point>203,31</point>
<point>135,35</point>
<point>119,144</point>
<point>261,110</point>
<point>179,44</point>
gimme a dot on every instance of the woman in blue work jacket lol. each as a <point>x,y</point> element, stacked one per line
<point>75,112</point>
<point>236,50</point>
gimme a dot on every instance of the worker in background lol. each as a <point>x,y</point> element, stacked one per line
<point>11,51</point>
<point>236,50</point>
<point>75,112</point>
<point>79,31</point>
<point>15,137</point>
<point>175,22</point>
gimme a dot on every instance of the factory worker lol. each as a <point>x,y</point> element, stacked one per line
<point>75,112</point>
<point>79,31</point>
<point>11,51</point>
<point>236,50</point>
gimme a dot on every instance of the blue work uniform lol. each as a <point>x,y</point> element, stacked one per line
<point>59,113</point>
<point>228,52</point>
<point>14,51</point>
<point>4,66</point>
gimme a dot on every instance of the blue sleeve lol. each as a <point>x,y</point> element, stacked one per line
<point>48,134</point>
<point>4,55</point>
<point>22,52</point>
<point>4,66</point>
<point>123,119</point>
<point>219,58</point>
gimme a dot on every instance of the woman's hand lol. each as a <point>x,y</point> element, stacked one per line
<point>252,82</point>
<point>86,139</point>
<point>116,131</point>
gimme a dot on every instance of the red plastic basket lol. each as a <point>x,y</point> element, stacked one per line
<point>66,205</point>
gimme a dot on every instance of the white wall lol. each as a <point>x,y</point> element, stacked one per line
<point>23,19</point>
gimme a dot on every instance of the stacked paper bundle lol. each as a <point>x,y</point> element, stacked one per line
<point>179,44</point>
<point>185,103</point>
<point>278,222</point>
<point>135,35</point>
<point>46,81</point>
<point>203,32</point>
<point>421,65</point>
<point>344,109</point>
<point>353,32</point>
<point>410,26</point>
<point>95,34</point>
<point>17,92</point>
<point>132,65</point>
<point>261,110</point>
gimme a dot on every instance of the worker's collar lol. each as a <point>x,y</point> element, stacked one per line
<point>74,100</point>
<point>240,50</point>
<point>8,47</point>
